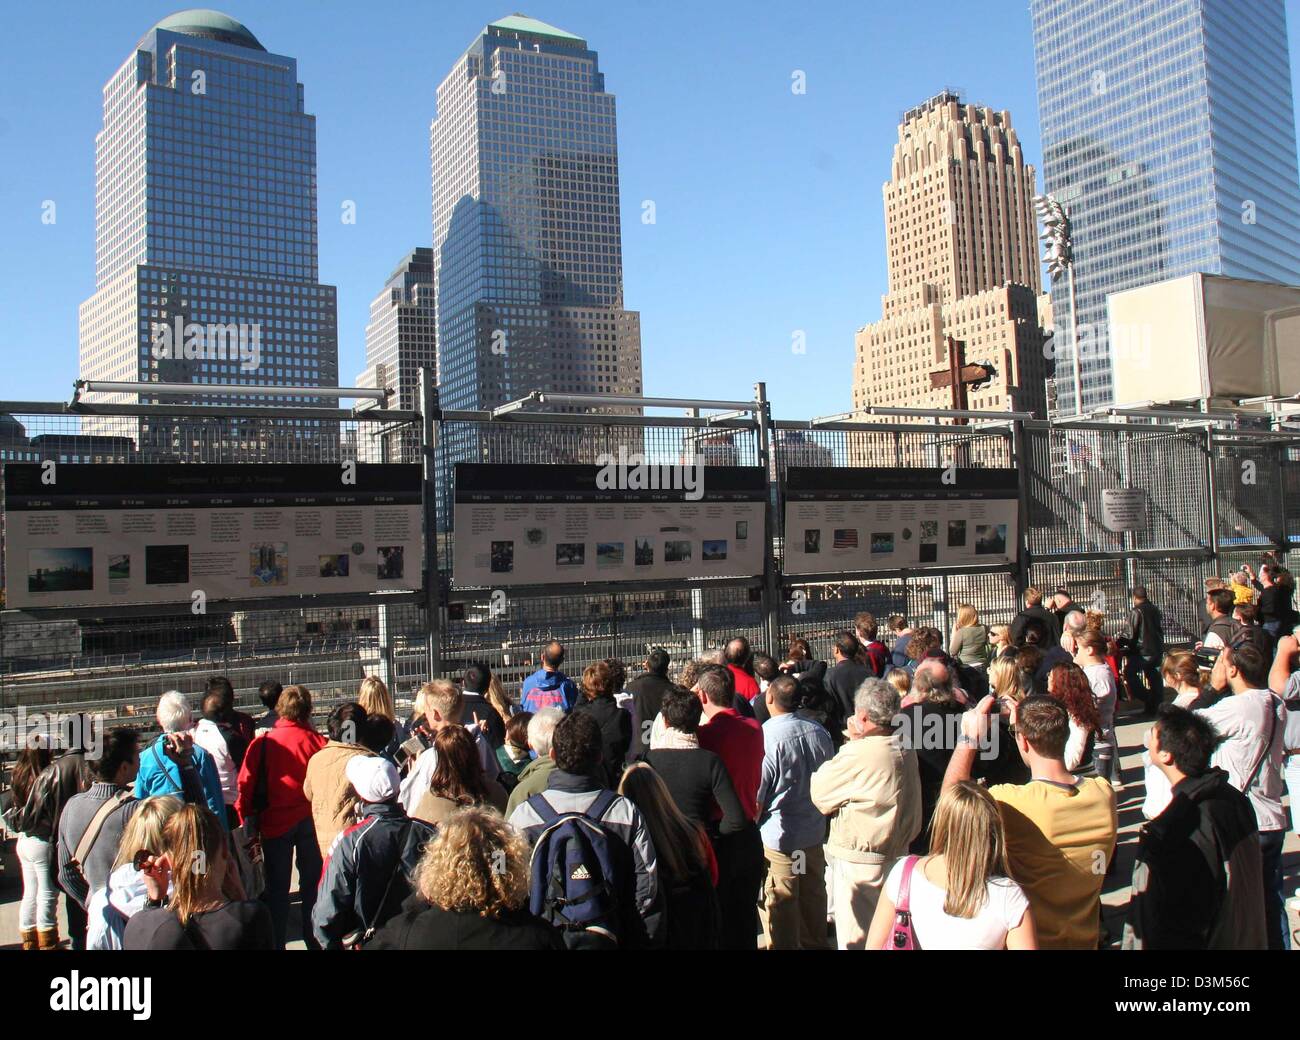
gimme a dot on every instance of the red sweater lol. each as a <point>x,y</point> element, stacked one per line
<point>738,741</point>
<point>746,684</point>
<point>287,746</point>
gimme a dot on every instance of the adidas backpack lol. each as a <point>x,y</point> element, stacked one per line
<point>578,877</point>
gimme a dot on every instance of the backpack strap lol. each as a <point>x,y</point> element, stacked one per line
<point>372,925</point>
<point>601,805</point>
<point>191,784</point>
<point>595,811</point>
<point>191,931</point>
<point>91,834</point>
<point>543,808</point>
<point>1268,747</point>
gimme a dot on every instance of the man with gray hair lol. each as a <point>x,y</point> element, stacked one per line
<point>935,680</point>
<point>173,764</point>
<point>871,790</point>
<point>534,776</point>
<point>1073,625</point>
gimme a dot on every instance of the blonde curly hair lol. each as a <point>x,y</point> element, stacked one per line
<point>477,862</point>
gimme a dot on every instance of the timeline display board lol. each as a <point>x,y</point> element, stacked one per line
<point>538,525</point>
<point>860,519</point>
<point>81,535</point>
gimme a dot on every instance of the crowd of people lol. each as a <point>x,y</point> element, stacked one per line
<point>912,789</point>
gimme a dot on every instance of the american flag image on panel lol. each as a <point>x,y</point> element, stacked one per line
<point>1080,452</point>
<point>845,538</point>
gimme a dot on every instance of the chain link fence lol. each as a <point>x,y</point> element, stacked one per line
<point>119,662</point>
<point>1216,498</point>
<point>688,617</point>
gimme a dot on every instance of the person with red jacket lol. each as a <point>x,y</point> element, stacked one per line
<point>874,653</point>
<point>737,657</point>
<point>738,741</point>
<point>271,798</point>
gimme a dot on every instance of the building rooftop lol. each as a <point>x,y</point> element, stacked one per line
<point>210,25</point>
<point>521,23</point>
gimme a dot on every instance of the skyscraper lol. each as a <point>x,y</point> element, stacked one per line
<point>963,266</point>
<point>400,340</point>
<point>528,261</point>
<point>1168,135</point>
<point>206,249</point>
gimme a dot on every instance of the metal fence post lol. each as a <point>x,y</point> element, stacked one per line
<point>1212,498</point>
<point>387,662</point>
<point>1127,539</point>
<point>1020,455</point>
<point>771,599</point>
<point>697,622</point>
<point>1282,537</point>
<point>433,599</point>
<point>944,609</point>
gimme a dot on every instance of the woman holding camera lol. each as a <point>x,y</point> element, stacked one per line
<point>206,909</point>
<point>126,894</point>
<point>1182,673</point>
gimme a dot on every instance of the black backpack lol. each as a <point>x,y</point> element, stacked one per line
<point>581,875</point>
<point>1252,635</point>
<point>1227,629</point>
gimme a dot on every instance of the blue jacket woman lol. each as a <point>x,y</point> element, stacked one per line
<point>160,774</point>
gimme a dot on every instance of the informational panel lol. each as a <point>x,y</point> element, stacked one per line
<point>538,525</point>
<point>858,519</point>
<point>79,535</point>
<point>1123,509</point>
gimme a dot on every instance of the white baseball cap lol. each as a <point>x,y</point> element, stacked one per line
<point>374,778</point>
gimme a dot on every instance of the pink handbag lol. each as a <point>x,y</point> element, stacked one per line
<point>902,936</point>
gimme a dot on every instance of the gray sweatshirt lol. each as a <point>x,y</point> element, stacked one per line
<point>77,814</point>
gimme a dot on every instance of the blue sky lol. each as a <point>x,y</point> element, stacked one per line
<point>768,203</point>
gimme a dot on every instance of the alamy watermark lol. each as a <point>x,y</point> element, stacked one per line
<point>56,731</point>
<point>919,731</point>
<point>77,992</point>
<point>1130,342</point>
<point>233,341</point>
<point>633,473</point>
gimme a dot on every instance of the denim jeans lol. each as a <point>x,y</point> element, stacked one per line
<point>279,855</point>
<point>1270,848</point>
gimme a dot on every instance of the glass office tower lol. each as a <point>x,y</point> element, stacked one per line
<point>528,261</point>
<point>1168,134</point>
<point>401,340</point>
<point>206,228</point>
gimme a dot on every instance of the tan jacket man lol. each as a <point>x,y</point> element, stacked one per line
<point>326,787</point>
<point>871,790</point>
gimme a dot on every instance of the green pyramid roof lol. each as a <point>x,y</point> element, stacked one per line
<point>523,24</point>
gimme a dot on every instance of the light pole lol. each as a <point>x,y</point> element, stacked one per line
<point>1060,260</point>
